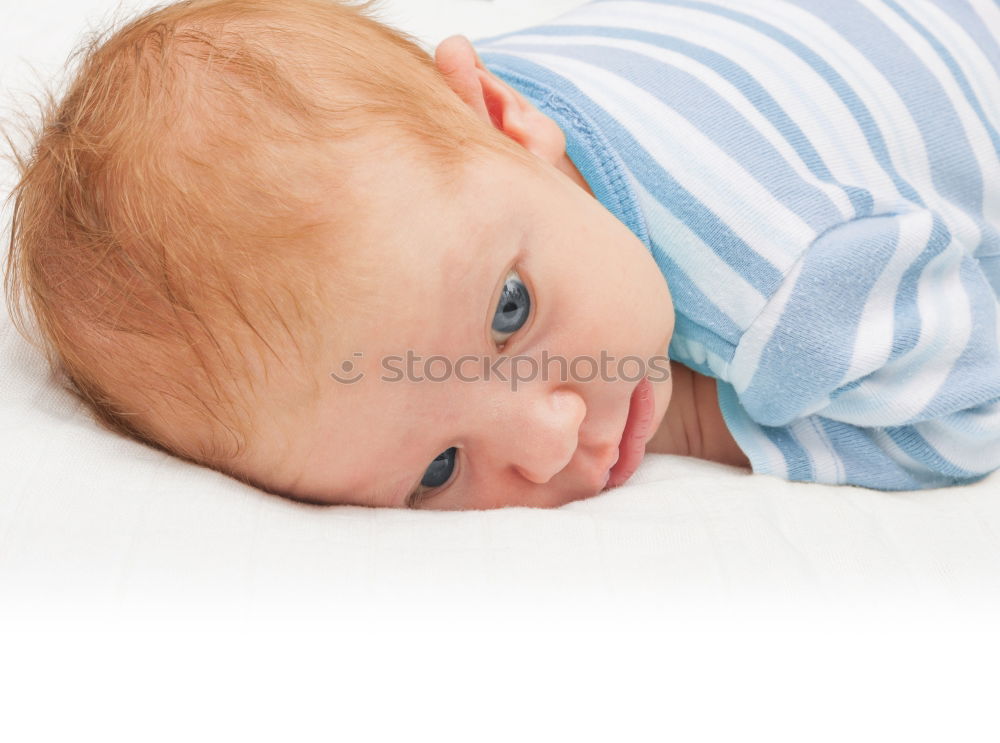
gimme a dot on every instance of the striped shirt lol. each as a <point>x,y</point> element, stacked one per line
<point>819,183</point>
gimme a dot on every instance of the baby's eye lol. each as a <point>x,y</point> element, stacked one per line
<point>512,309</point>
<point>438,473</point>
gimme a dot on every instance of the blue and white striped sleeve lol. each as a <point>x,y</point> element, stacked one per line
<point>876,364</point>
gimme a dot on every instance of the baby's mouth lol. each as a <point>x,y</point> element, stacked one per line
<point>638,429</point>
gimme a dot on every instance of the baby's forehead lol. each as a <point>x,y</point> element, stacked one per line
<point>415,246</point>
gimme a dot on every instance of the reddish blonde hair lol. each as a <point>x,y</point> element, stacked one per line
<point>166,219</point>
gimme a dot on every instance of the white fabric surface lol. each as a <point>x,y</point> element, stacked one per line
<point>90,517</point>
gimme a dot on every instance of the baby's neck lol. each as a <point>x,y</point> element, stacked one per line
<point>693,425</point>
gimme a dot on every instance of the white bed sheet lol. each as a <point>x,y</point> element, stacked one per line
<point>90,517</point>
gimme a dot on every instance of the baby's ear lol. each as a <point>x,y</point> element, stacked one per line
<point>497,103</point>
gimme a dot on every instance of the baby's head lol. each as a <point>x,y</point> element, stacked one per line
<point>243,212</point>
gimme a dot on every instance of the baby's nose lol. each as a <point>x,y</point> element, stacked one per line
<point>543,433</point>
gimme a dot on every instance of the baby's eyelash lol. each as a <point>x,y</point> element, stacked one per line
<point>422,492</point>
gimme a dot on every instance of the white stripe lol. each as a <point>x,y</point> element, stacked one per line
<point>989,13</point>
<point>775,458</point>
<point>766,449</point>
<point>976,449</point>
<point>707,271</point>
<point>746,359</point>
<point>873,341</point>
<point>714,178</point>
<point>946,326</point>
<point>919,471</point>
<point>826,464</point>
<point>689,349</point>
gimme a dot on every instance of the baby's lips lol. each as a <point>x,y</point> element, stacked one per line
<point>642,406</point>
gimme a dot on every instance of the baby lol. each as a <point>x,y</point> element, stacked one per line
<point>277,238</point>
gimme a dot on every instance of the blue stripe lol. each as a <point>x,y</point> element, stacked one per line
<point>990,242</point>
<point>991,269</point>
<point>714,116</point>
<point>865,462</point>
<point>718,121</point>
<point>906,333</point>
<point>797,460</point>
<point>954,167</point>
<point>909,440</point>
<point>860,112</point>
<point>956,72</point>
<point>972,378</point>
